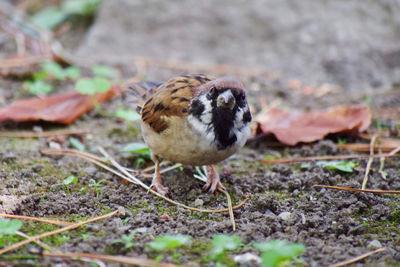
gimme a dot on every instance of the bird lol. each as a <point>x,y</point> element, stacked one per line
<point>193,119</point>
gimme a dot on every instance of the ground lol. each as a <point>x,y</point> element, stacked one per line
<point>333,226</point>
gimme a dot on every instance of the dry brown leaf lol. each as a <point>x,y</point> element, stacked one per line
<point>292,126</point>
<point>63,108</point>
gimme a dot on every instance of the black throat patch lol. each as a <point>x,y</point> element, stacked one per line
<point>223,123</point>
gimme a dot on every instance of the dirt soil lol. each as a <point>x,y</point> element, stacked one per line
<point>333,226</point>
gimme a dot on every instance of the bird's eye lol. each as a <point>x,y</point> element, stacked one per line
<point>212,93</point>
<point>242,96</point>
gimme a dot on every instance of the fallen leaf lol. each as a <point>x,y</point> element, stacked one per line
<point>63,108</point>
<point>293,126</point>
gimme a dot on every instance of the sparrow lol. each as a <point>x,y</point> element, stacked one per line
<point>195,120</point>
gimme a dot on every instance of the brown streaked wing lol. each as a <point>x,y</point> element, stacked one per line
<point>171,99</point>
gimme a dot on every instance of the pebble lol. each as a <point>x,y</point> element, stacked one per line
<point>198,202</point>
<point>247,258</point>
<point>374,244</point>
<point>285,216</point>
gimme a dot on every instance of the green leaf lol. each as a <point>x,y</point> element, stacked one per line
<point>81,7</point>
<point>222,242</point>
<point>85,86</point>
<point>270,156</point>
<point>278,252</point>
<point>70,179</point>
<point>127,114</point>
<point>9,227</point>
<point>344,166</point>
<point>77,144</point>
<point>39,87</point>
<point>49,18</point>
<point>54,69</point>
<point>72,72</point>
<point>101,85</point>
<point>167,242</point>
<point>104,71</point>
<point>136,148</point>
<point>40,75</point>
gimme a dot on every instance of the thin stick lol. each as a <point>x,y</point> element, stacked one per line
<point>42,134</point>
<point>71,152</point>
<point>67,228</point>
<point>38,242</point>
<point>370,160</point>
<point>382,165</point>
<point>353,260</point>
<point>336,157</point>
<point>109,258</point>
<point>356,189</point>
<point>231,215</point>
<point>21,217</point>
<point>394,151</point>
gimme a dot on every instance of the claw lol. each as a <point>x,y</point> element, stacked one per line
<point>159,188</point>
<point>156,183</point>
<point>213,182</point>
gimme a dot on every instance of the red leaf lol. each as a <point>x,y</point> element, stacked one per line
<point>62,108</point>
<point>292,127</point>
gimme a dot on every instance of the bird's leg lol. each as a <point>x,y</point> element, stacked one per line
<point>213,182</point>
<point>156,183</point>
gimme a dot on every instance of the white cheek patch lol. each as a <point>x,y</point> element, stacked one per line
<point>206,116</point>
<point>241,129</point>
<point>203,126</point>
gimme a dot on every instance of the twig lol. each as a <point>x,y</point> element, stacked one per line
<point>394,151</point>
<point>336,157</point>
<point>72,152</point>
<point>356,189</point>
<point>358,147</point>
<point>38,242</point>
<point>109,258</point>
<point>21,217</point>
<point>67,228</point>
<point>231,216</point>
<point>382,165</point>
<point>42,134</point>
<point>370,160</point>
<point>353,260</point>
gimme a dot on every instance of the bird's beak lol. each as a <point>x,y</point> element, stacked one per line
<point>226,100</point>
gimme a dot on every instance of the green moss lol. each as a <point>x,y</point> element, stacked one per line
<point>395,217</point>
<point>36,228</point>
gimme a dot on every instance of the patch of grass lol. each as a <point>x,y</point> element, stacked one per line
<point>127,240</point>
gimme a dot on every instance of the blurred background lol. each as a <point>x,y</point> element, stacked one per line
<point>351,44</point>
<point>354,44</point>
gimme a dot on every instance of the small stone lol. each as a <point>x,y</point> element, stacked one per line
<point>247,258</point>
<point>198,202</point>
<point>285,216</point>
<point>54,145</point>
<point>142,229</point>
<point>121,212</point>
<point>374,244</point>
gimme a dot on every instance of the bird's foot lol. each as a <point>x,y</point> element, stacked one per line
<point>159,188</point>
<point>213,181</point>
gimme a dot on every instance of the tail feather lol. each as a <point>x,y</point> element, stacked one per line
<point>140,92</point>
